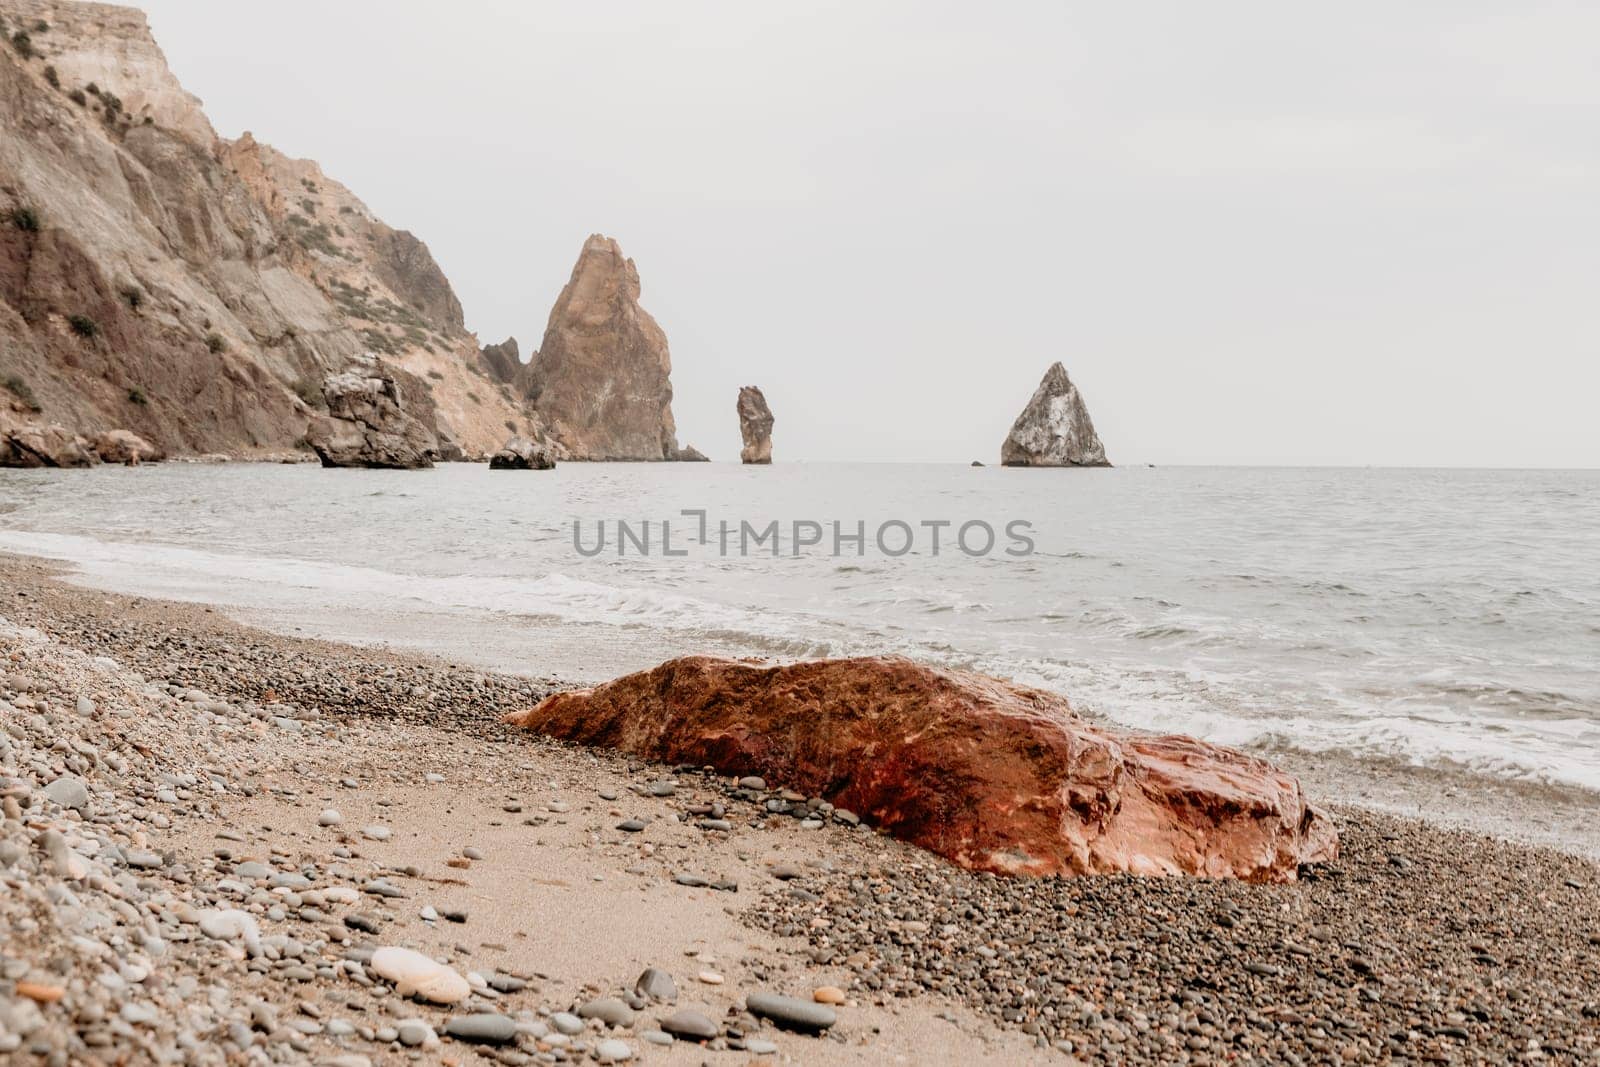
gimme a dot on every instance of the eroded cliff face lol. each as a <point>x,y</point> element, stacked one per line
<point>195,290</point>
<point>601,381</point>
<point>1054,430</point>
<point>502,362</point>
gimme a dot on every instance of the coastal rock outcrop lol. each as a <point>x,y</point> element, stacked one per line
<point>755,426</point>
<point>1054,430</point>
<point>369,423</point>
<point>521,454</point>
<point>192,289</point>
<point>601,380</point>
<point>989,775</point>
<point>35,444</point>
<point>125,447</point>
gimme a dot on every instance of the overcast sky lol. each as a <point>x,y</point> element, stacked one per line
<point>1363,233</point>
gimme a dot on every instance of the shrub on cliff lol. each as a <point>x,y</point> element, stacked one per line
<point>25,219</point>
<point>215,343</point>
<point>83,325</point>
<point>52,77</point>
<point>23,44</point>
<point>132,296</point>
<point>136,396</point>
<point>23,392</point>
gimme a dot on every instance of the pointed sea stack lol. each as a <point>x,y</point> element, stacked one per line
<point>1054,430</point>
<point>601,381</point>
<point>755,426</point>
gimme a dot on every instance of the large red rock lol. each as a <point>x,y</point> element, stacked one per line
<point>991,776</point>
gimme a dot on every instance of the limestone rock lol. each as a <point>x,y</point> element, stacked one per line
<point>126,447</point>
<point>404,264</point>
<point>690,454</point>
<point>503,361</point>
<point>521,454</point>
<point>601,380</point>
<point>34,444</point>
<point>1054,430</point>
<point>755,426</point>
<point>989,775</point>
<point>368,423</point>
<point>190,289</point>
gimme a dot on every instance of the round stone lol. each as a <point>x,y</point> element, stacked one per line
<point>487,1028</point>
<point>791,1013</point>
<point>413,1033</point>
<point>69,791</point>
<point>691,1025</point>
<point>657,985</point>
<point>608,1010</point>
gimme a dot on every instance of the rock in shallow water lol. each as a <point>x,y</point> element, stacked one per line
<point>755,426</point>
<point>1054,430</point>
<point>990,775</point>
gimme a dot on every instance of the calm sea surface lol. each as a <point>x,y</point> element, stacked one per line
<point>1443,618</point>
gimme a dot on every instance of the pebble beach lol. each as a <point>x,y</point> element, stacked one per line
<point>222,845</point>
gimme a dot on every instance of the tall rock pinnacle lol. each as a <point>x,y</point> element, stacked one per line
<point>1054,430</point>
<point>755,426</point>
<point>601,381</point>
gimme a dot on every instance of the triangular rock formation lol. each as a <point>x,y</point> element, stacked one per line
<point>1054,430</point>
<point>601,381</point>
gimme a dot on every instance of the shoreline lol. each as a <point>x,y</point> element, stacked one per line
<point>1514,809</point>
<point>1421,941</point>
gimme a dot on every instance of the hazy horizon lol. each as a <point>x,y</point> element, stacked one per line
<point>1252,234</point>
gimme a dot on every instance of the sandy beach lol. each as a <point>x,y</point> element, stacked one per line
<point>345,799</point>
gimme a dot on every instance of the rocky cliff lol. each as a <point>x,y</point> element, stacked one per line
<point>1054,430</point>
<point>601,380</point>
<point>502,362</point>
<point>196,290</point>
<point>755,426</point>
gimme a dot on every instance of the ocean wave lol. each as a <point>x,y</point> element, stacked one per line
<point>1257,679</point>
<point>1563,752</point>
